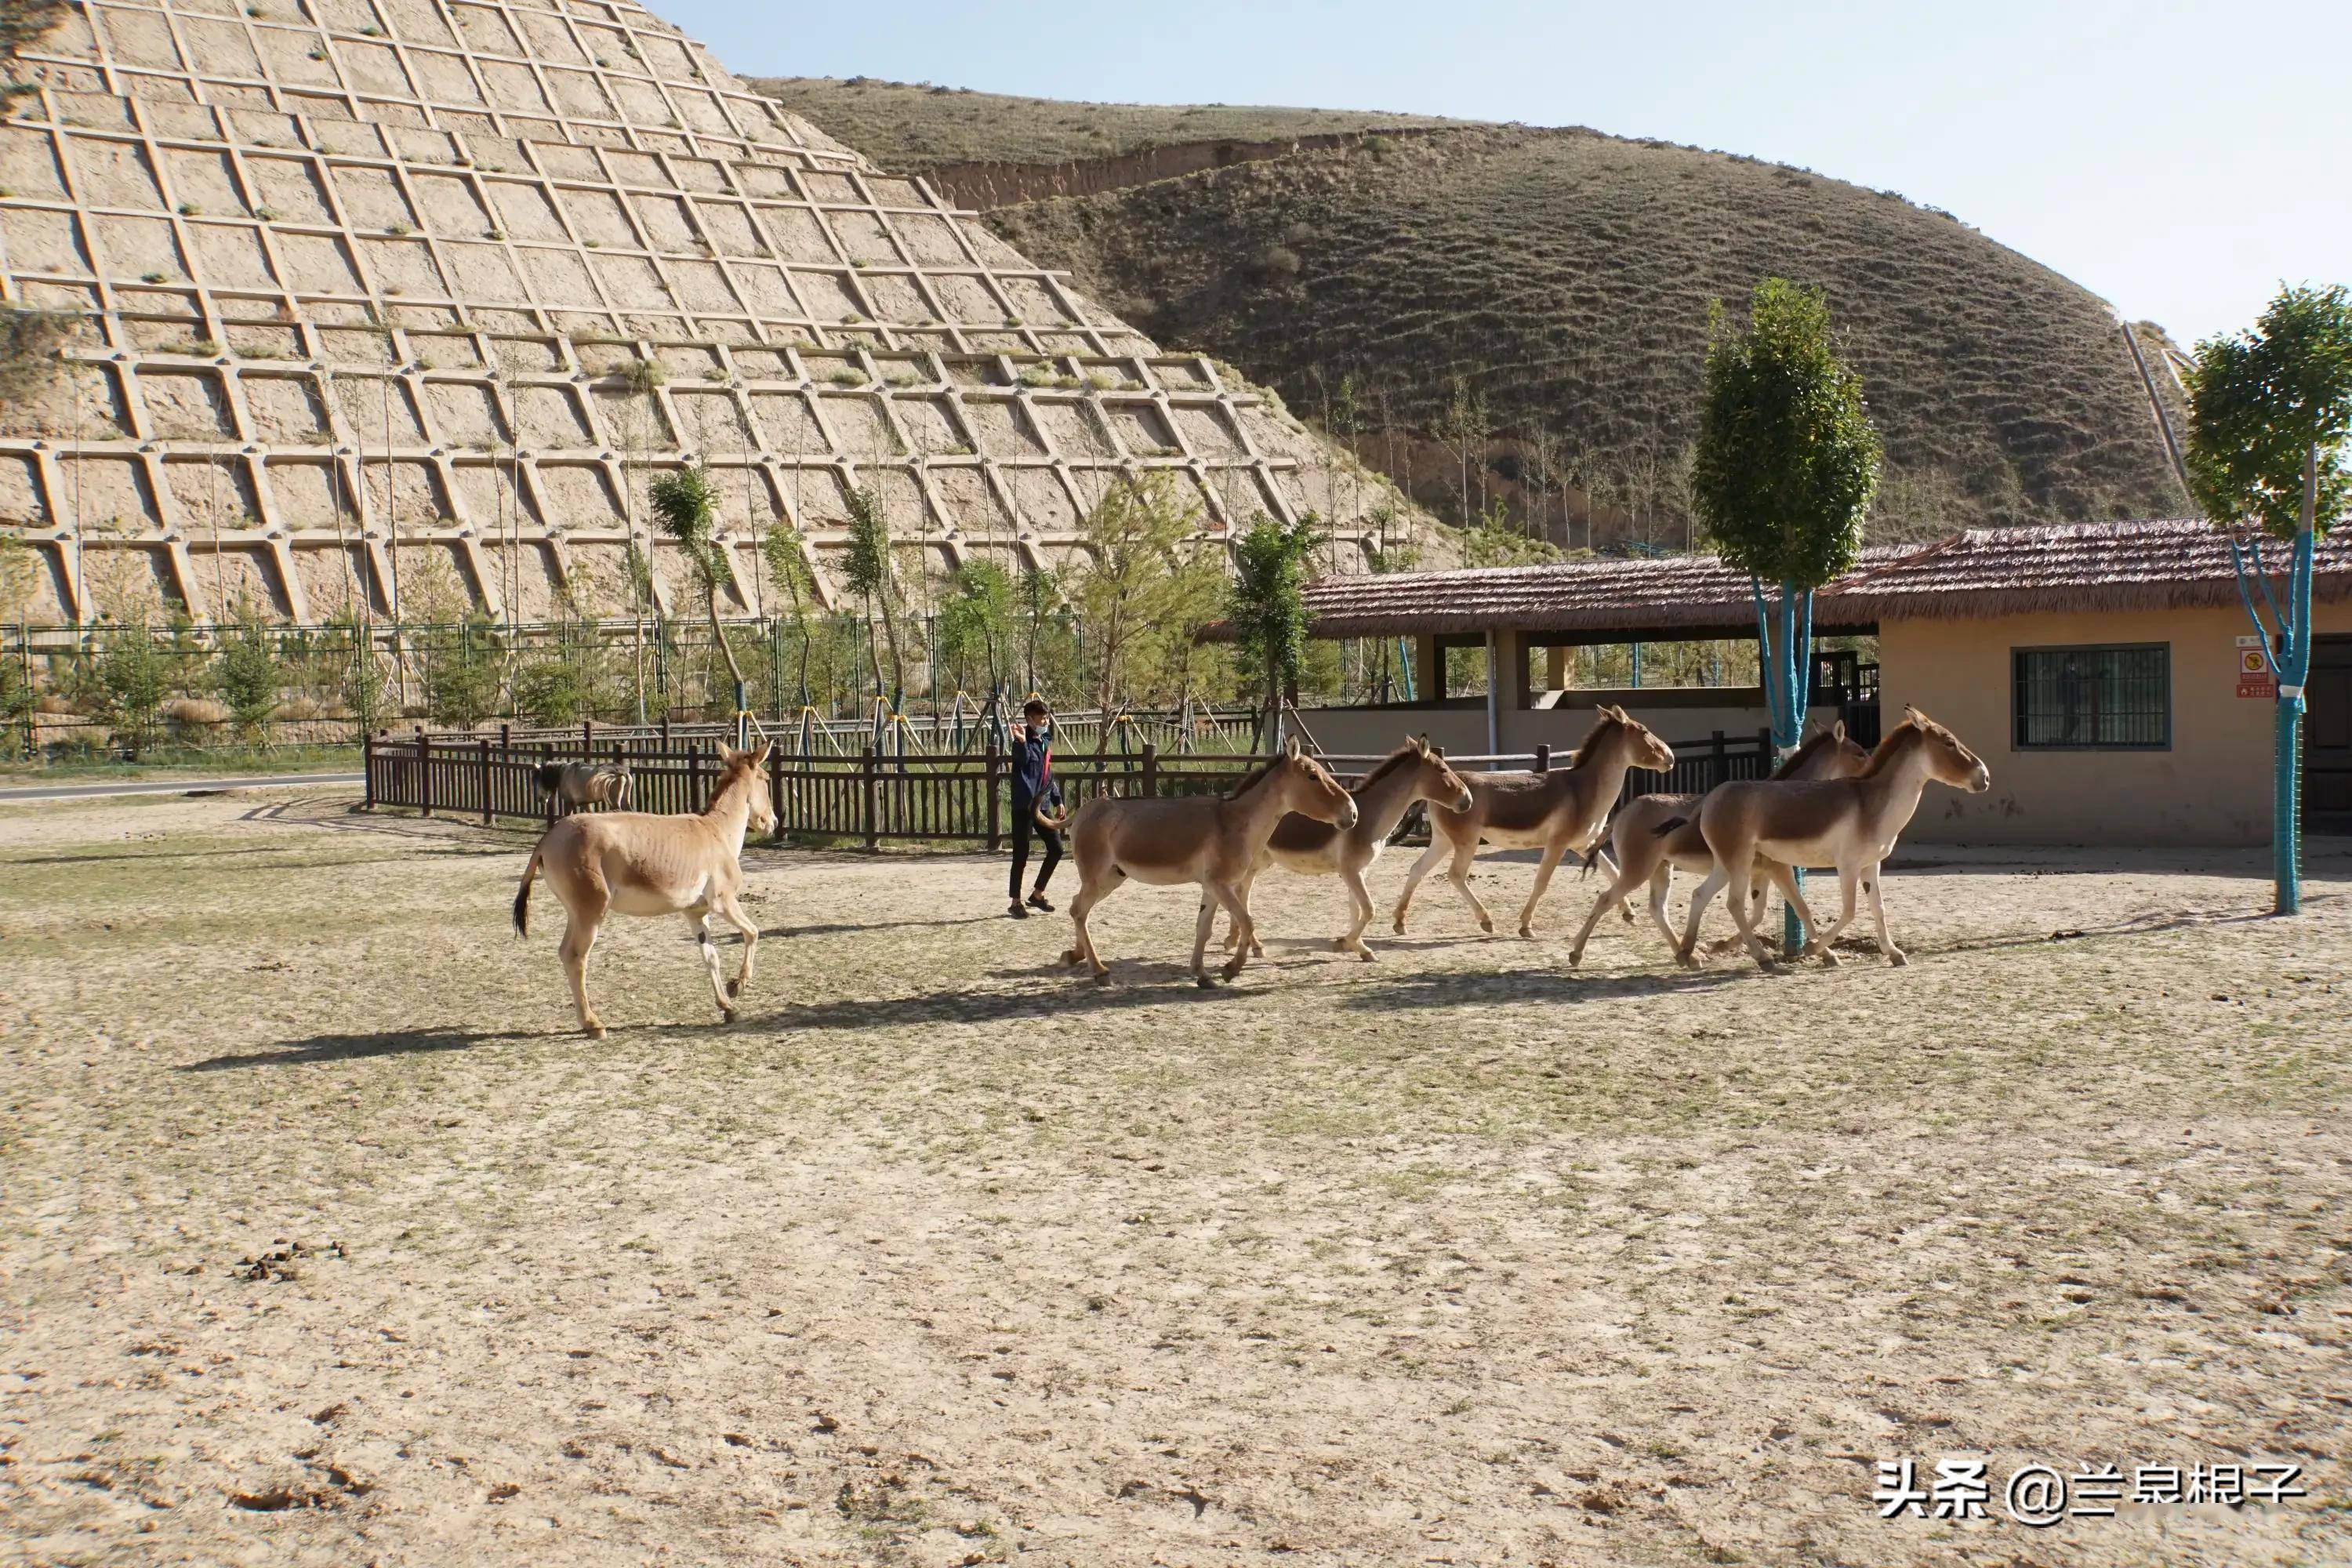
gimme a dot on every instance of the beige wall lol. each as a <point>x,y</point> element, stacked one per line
<point>2212,786</point>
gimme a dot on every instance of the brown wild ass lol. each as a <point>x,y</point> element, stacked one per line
<point>1557,811</point>
<point>1316,848</point>
<point>1646,855</point>
<point>1214,842</point>
<point>637,863</point>
<point>1849,824</point>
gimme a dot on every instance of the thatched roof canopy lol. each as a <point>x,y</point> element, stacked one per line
<point>1980,573</point>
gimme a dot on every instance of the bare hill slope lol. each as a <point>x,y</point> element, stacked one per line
<point>1520,314</point>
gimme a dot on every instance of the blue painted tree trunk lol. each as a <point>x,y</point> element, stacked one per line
<point>1784,658</point>
<point>2290,664</point>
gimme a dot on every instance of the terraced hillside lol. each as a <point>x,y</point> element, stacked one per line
<point>1498,314</point>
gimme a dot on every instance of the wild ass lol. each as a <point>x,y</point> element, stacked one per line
<point>1557,811</point>
<point>637,863</point>
<point>584,783</point>
<point>1316,848</point>
<point>1646,855</point>
<point>1214,842</point>
<point>1849,824</point>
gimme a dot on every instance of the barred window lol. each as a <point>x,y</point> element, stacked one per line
<point>2076,698</point>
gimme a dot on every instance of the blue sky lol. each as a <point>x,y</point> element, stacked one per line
<point>2178,158</point>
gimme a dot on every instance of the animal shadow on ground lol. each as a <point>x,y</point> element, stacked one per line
<point>1133,986</point>
<point>354,1047</point>
<point>843,928</point>
<point>1454,989</point>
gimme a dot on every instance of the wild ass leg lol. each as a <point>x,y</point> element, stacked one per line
<point>1544,868</point>
<point>1201,930</point>
<point>697,918</point>
<point>579,937</point>
<point>1421,866</point>
<point>1743,912</point>
<point>1360,897</point>
<point>1237,911</point>
<point>1608,867</point>
<point>1785,880</point>
<point>1459,875</point>
<point>1847,878</point>
<point>1686,949</point>
<point>749,928</point>
<point>1092,890</point>
<point>1614,894</point>
<point>1661,888</point>
<point>1872,884</point>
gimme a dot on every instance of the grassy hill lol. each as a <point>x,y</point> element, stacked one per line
<point>1498,315</point>
<point>916,126</point>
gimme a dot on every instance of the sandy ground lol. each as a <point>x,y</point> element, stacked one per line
<point>323,1240</point>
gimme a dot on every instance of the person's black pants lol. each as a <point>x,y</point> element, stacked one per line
<point>1024,823</point>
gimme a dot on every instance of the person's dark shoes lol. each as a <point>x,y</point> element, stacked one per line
<point>1015,911</point>
<point>1037,901</point>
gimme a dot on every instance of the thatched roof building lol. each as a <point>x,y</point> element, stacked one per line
<point>1982,571</point>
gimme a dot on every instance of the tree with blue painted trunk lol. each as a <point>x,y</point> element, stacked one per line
<point>1786,468</point>
<point>2269,434</point>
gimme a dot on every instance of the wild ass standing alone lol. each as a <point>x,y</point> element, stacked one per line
<point>1646,855</point>
<point>1850,824</point>
<point>1556,811</point>
<point>1214,842</point>
<point>1312,847</point>
<point>584,783</point>
<point>637,863</point>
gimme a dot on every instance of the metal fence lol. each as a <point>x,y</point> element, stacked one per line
<point>875,798</point>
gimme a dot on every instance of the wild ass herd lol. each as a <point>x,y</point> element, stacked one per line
<point>1830,805</point>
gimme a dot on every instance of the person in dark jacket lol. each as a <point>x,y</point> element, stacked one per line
<point>1035,795</point>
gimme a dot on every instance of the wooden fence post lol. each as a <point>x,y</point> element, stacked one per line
<point>587,739</point>
<point>424,773</point>
<point>367,769</point>
<point>1151,769</point>
<point>1543,758</point>
<point>866,769</point>
<point>776,796</point>
<point>665,735</point>
<point>995,808</point>
<point>693,779</point>
<point>485,770</point>
<point>1722,770</point>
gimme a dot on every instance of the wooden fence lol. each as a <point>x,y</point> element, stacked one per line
<point>874,799</point>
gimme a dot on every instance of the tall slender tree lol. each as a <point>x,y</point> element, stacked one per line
<point>1267,607</point>
<point>1783,474</point>
<point>2269,431</point>
<point>686,505</point>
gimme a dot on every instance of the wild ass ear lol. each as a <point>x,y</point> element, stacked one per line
<point>1418,745</point>
<point>1837,731</point>
<point>1290,747</point>
<point>760,753</point>
<point>1914,714</point>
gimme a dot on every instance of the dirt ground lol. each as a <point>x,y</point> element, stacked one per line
<point>323,1239</point>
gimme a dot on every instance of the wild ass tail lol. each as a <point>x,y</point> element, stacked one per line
<point>523,895</point>
<point>1668,826</point>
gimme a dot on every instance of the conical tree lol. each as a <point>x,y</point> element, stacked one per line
<point>2270,429</point>
<point>1785,467</point>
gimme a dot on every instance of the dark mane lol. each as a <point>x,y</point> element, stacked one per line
<point>1254,777</point>
<point>1891,746</point>
<point>1797,758</point>
<point>1399,758</point>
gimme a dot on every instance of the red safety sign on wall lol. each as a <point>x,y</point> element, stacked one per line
<point>2254,678</point>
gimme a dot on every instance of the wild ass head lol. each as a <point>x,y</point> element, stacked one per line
<point>1306,786</point>
<point>748,770</point>
<point>1434,779</point>
<point>1829,754</point>
<point>1949,761</point>
<point>1641,749</point>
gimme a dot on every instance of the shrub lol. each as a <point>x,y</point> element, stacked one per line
<point>245,672</point>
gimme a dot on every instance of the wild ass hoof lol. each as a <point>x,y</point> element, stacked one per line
<point>1528,931</point>
<point>726,1015</point>
<point>1486,925</point>
<point>1898,958</point>
<point>1828,959</point>
<point>734,988</point>
<point>1399,926</point>
<point>1071,955</point>
<point>1232,970</point>
<point>594,1031</point>
<point>1204,983</point>
<point>1102,976</point>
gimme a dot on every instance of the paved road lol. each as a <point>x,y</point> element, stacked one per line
<point>178,786</point>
